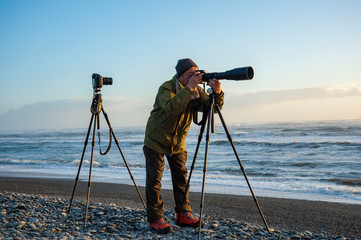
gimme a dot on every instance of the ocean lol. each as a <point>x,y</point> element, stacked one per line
<point>318,160</point>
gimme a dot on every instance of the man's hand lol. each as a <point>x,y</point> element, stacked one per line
<point>216,85</point>
<point>194,81</point>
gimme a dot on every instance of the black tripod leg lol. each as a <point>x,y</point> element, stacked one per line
<point>193,162</point>
<point>90,170</point>
<point>81,162</point>
<point>210,116</point>
<point>125,162</point>
<point>240,164</point>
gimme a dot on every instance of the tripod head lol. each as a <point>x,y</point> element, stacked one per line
<point>97,102</point>
<point>209,91</point>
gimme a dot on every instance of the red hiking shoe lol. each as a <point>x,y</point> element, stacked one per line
<point>186,219</point>
<point>161,226</point>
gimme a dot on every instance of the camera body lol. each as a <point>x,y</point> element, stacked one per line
<point>98,81</point>
<point>237,74</point>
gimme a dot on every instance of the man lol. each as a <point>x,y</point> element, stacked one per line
<point>165,134</point>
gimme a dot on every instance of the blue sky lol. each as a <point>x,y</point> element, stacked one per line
<point>306,56</point>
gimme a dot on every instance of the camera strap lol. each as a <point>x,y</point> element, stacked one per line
<point>110,143</point>
<point>195,114</point>
<point>110,140</point>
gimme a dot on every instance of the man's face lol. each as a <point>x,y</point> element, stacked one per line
<point>184,79</point>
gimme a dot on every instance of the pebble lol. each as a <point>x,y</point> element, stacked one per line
<point>45,217</point>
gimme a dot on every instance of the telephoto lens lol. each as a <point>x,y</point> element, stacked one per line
<point>243,73</point>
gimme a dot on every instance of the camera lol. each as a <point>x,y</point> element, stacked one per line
<point>237,74</point>
<point>99,81</point>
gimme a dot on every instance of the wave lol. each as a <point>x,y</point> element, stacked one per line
<point>293,144</point>
<point>304,164</point>
<point>335,128</point>
<point>85,162</point>
<point>345,181</point>
<point>10,161</point>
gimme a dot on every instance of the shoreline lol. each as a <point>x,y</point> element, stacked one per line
<point>281,214</point>
<point>196,187</point>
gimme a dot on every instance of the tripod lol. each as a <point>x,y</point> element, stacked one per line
<point>208,117</point>
<point>95,109</point>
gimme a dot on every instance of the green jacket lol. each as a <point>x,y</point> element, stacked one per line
<point>171,117</point>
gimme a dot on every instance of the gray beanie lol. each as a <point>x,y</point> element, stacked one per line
<point>183,65</point>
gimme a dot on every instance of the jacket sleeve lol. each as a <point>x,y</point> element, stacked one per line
<point>220,100</point>
<point>171,102</point>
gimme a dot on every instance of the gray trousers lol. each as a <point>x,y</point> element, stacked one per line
<point>154,171</point>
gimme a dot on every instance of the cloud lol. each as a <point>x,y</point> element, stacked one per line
<point>269,97</point>
<point>326,103</point>
<point>73,113</point>
<point>318,103</point>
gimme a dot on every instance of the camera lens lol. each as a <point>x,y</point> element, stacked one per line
<point>107,80</point>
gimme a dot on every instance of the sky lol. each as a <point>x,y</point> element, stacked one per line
<point>306,56</point>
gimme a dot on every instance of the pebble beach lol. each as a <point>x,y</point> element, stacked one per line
<point>37,209</point>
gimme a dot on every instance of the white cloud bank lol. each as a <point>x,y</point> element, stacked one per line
<point>318,103</point>
<point>72,113</point>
